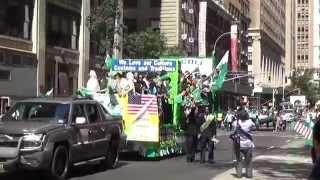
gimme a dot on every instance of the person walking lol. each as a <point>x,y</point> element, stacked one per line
<point>279,123</point>
<point>315,153</point>
<point>208,132</point>
<point>190,127</point>
<point>243,142</point>
<point>229,119</point>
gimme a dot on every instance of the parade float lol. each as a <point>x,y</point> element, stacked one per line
<point>152,131</point>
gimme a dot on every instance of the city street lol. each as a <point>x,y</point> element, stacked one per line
<point>268,144</point>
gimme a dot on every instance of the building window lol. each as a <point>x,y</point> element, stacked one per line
<point>131,25</point>
<point>130,4</point>
<point>16,60</point>
<point>28,61</point>
<point>16,18</point>
<point>5,75</point>
<point>155,3</point>
<point>155,24</point>
<point>1,58</point>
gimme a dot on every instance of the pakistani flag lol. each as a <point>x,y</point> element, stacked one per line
<point>222,67</point>
<point>108,62</point>
<point>49,93</point>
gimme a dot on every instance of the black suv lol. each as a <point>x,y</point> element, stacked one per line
<point>53,134</point>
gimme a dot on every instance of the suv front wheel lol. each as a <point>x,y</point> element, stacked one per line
<point>60,163</point>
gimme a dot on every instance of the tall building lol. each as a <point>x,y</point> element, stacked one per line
<point>315,19</point>
<point>44,44</point>
<point>267,52</point>
<point>290,37</point>
<point>304,34</point>
<point>176,19</point>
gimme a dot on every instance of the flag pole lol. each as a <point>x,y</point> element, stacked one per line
<point>214,63</point>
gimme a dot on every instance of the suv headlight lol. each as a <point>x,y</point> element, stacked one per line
<point>32,142</point>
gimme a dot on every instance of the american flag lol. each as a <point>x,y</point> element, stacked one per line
<point>139,103</point>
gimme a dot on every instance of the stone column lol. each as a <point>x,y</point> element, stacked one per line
<point>256,60</point>
<point>39,40</point>
<point>74,35</point>
<point>84,45</point>
<point>26,22</point>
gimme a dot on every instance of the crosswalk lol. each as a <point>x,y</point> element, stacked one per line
<point>287,134</point>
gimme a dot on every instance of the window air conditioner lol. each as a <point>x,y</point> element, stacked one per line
<point>184,36</point>
<point>184,6</point>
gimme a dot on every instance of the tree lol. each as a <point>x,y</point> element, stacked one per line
<point>101,24</point>
<point>304,81</point>
<point>174,52</point>
<point>144,44</point>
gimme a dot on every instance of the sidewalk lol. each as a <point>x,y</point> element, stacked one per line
<point>288,162</point>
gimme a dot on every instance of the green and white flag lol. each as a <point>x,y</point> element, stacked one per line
<point>222,67</point>
<point>49,93</point>
<point>108,62</point>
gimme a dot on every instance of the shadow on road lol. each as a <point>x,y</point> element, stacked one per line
<point>282,170</point>
<point>79,171</point>
<point>86,170</point>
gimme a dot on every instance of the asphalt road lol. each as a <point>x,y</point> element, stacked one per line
<point>174,168</point>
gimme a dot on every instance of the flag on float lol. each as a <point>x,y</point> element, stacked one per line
<point>222,67</point>
<point>141,104</point>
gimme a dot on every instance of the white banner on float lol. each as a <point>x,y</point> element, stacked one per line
<point>203,65</point>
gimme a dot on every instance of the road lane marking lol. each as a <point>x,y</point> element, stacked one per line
<point>271,147</point>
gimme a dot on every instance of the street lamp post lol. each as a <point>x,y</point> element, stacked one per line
<point>215,43</point>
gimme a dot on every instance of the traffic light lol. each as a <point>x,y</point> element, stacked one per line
<point>286,80</point>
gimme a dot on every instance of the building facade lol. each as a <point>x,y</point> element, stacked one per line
<point>267,51</point>
<point>176,19</point>
<point>315,19</point>
<point>44,45</point>
<point>304,34</point>
<point>290,37</point>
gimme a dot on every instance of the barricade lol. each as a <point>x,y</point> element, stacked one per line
<point>305,129</point>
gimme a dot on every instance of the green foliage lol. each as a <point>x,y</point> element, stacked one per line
<point>101,24</point>
<point>144,44</point>
<point>304,81</point>
<point>174,52</point>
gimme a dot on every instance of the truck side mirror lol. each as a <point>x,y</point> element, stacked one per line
<point>80,120</point>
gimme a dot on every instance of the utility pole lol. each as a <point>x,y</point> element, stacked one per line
<point>273,99</point>
<point>118,34</point>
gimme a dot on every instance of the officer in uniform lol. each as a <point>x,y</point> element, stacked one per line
<point>208,130</point>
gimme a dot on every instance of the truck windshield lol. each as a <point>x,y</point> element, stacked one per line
<point>31,111</point>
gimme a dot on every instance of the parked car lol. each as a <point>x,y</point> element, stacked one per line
<point>253,115</point>
<point>288,115</point>
<point>53,134</point>
<point>264,117</point>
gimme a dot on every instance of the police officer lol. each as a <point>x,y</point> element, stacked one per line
<point>208,130</point>
<point>189,125</point>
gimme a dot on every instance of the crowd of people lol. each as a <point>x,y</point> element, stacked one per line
<point>142,83</point>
